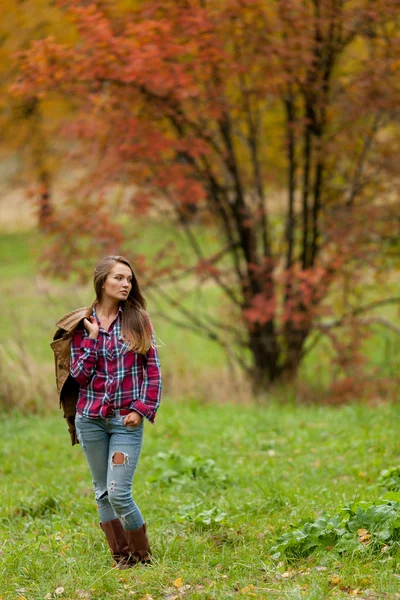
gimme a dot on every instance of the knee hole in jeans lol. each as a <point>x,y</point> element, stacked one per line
<point>119,458</point>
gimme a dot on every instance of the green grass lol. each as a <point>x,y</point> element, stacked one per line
<point>275,467</point>
<point>18,252</point>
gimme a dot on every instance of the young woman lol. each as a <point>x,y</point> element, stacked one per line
<point>114,360</point>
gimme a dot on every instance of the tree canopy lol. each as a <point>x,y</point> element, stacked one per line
<point>274,122</point>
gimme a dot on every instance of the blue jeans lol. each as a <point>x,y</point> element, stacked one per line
<point>100,440</point>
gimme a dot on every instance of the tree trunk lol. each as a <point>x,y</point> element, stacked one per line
<point>294,343</point>
<point>264,347</point>
<point>45,207</point>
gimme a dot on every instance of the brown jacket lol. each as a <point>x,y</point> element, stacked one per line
<point>68,388</point>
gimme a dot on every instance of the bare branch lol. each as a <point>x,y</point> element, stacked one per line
<point>326,325</point>
<point>356,185</point>
<point>371,305</point>
<point>382,321</point>
<point>200,329</point>
<point>187,230</point>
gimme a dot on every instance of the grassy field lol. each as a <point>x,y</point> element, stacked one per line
<point>218,483</point>
<point>217,486</point>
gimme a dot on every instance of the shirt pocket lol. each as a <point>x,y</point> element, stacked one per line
<point>122,347</point>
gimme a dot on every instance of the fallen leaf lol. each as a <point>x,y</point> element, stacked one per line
<point>178,582</point>
<point>248,588</point>
<point>321,568</point>
<point>59,591</point>
<point>334,580</point>
<point>363,536</point>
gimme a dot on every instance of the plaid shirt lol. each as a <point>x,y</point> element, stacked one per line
<point>111,376</point>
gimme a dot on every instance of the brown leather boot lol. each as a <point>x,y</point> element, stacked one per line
<point>118,543</point>
<point>139,545</point>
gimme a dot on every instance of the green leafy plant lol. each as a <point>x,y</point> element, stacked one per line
<point>48,506</point>
<point>389,479</point>
<point>172,468</point>
<point>356,527</point>
<point>202,518</point>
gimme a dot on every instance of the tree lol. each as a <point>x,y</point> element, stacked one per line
<point>276,122</point>
<point>29,123</point>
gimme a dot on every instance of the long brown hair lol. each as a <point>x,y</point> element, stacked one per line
<point>136,327</point>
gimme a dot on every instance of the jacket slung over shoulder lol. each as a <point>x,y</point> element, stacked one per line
<point>68,388</point>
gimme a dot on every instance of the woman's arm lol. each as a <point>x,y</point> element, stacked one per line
<point>84,351</point>
<point>150,392</point>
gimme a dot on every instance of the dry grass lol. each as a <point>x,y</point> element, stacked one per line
<point>25,384</point>
<point>220,384</point>
<point>17,213</point>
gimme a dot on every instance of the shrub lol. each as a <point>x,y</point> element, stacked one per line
<point>356,527</point>
<point>389,479</point>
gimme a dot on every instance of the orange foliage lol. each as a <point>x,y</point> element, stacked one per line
<point>215,108</point>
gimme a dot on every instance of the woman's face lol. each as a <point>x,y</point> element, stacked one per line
<point>118,282</point>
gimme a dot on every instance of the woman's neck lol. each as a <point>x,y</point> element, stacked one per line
<point>107,308</point>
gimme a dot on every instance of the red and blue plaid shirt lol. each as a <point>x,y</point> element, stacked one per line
<point>111,376</point>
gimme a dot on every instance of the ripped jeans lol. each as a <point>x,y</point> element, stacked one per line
<point>101,439</point>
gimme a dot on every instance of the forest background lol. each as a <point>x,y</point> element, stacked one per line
<point>244,157</point>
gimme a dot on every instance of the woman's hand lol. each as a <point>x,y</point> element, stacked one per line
<point>133,419</point>
<point>91,327</point>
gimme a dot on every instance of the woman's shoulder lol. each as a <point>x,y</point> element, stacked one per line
<point>71,320</point>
